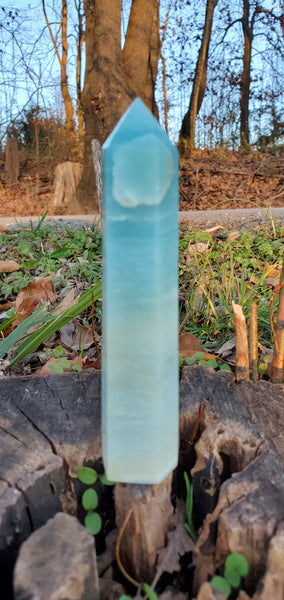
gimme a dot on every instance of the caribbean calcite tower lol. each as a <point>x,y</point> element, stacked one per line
<point>140,300</point>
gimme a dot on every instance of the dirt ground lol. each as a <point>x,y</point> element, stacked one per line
<point>208,179</point>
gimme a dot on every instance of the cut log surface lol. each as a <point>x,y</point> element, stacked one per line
<point>238,475</point>
<point>67,177</point>
<point>50,426</point>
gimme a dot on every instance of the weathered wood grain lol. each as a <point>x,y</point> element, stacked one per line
<point>50,426</point>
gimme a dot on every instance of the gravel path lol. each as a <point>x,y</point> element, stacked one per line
<point>247,218</point>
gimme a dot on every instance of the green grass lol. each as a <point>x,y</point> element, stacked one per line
<point>70,255</point>
<point>230,269</point>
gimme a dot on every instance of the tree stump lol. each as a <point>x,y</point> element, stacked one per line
<point>67,177</point>
<point>11,161</point>
<point>50,426</point>
<point>238,474</point>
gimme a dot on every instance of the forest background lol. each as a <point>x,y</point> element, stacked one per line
<point>210,71</point>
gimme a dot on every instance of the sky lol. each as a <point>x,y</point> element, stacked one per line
<point>29,70</point>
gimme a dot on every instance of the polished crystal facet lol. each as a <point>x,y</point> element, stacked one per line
<point>140,306</point>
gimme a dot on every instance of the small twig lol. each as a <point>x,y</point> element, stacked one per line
<point>242,355</point>
<point>253,342</point>
<point>120,565</point>
<point>93,328</point>
<point>278,333</point>
<point>202,409</point>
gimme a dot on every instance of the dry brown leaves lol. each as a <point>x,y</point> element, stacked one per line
<point>31,296</point>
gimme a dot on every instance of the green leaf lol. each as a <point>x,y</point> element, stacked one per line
<point>36,317</point>
<point>125,597</point>
<point>105,481</point>
<point>212,362</point>
<point>58,351</point>
<point>55,322</point>
<point>180,361</point>
<point>237,563</point>
<point>29,264</point>
<point>190,360</point>
<point>7,323</point>
<point>198,356</point>
<point>87,475</point>
<point>90,499</point>
<point>93,522</point>
<point>233,578</point>
<point>225,367</point>
<point>150,592</point>
<point>220,583</point>
<point>189,506</point>
<point>60,253</point>
<point>77,368</point>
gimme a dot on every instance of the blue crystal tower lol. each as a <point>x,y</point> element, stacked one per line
<point>140,301</point>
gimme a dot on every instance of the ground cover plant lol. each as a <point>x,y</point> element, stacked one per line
<point>50,280</point>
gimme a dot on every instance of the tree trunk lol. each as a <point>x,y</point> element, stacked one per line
<point>80,40</point>
<point>113,78</point>
<point>63,77</point>
<point>141,50</point>
<point>68,106</point>
<point>245,80</point>
<point>11,161</point>
<point>199,84</point>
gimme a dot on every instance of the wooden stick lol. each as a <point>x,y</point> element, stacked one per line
<point>277,375</point>
<point>242,356</point>
<point>253,342</point>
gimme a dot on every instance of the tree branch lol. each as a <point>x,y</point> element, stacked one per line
<point>50,32</point>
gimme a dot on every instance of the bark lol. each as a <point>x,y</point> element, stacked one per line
<point>278,355</point>
<point>253,342</point>
<point>145,533</point>
<point>11,161</point>
<point>113,77</point>
<point>142,50</point>
<point>242,355</point>
<point>50,426</point>
<point>67,100</point>
<point>245,79</point>
<point>63,72</point>
<point>199,84</point>
<point>80,40</point>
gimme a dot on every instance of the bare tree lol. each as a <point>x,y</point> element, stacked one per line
<point>248,23</point>
<point>199,84</point>
<point>62,59</point>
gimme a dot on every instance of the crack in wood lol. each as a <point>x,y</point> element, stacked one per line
<point>37,428</point>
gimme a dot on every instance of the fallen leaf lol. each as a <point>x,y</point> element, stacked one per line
<point>64,365</point>
<point>96,363</point>
<point>66,302</point>
<point>234,235</point>
<point>273,281</point>
<point>198,247</point>
<point>205,355</point>
<point>29,298</point>
<point>178,544</point>
<point>8,266</point>
<point>227,348</point>
<point>6,306</point>
<point>75,336</point>
<point>188,341</point>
